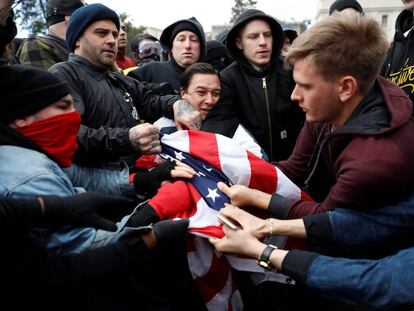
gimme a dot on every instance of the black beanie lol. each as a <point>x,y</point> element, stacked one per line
<point>216,49</point>
<point>339,5</point>
<point>85,16</point>
<point>27,90</point>
<point>181,27</point>
<point>191,24</point>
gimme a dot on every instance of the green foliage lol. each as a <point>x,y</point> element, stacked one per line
<point>239,7</point>
<point>132,31</point>
<point>31,16</point>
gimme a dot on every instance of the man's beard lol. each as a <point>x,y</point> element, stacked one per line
<point>103,58</point>
<point>106,61</point>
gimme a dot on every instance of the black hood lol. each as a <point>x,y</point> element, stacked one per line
<point>247,16</point>
<point>166,36</point>
<point>403,23</point>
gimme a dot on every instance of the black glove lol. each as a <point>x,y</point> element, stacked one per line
<point>86,210</point>
<point>147,183</point>
<point>170,230</point>
<point>163,88</point>
<point>143,216</point>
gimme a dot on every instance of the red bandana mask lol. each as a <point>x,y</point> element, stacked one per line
<point>57,136</point>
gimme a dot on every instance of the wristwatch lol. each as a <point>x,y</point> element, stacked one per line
<point>264,260</point>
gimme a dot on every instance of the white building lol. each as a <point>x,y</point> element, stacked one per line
<point>384,11</point>
<point>156,32</point>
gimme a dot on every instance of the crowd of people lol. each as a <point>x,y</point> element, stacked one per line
<point>95,215</point>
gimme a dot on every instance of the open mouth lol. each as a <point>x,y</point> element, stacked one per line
<point>263,53</point>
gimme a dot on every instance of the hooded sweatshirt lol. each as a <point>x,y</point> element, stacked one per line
<point>159,72</point>
<point>399,64</point>
<point>258,99</point>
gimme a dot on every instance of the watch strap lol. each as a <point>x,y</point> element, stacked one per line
<point>264,260</point>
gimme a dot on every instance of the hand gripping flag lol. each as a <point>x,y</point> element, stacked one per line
<point>215,158</point>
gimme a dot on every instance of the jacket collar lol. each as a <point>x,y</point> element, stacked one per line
<point>386,107</point>
<point>97,72</point>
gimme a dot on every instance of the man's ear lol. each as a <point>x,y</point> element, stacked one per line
<point>239,43</point>
<point>348,88</point>
<point>22,122</point>
<point>77,44</point>
<point>182,92</point>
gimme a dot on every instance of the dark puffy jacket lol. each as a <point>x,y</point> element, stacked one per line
<point>154,73</point>
<point>106,101</point>
<point>259,100</point>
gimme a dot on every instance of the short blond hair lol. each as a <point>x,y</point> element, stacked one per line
<point>342,44</point>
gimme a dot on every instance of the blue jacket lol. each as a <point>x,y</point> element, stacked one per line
<point>27,173</point>
<point>382,282</point>
<point>362,233</point>
<point>377,283</point>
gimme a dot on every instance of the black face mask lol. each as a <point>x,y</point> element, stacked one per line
<point>220,63</point>
<point>150,58</point>
<point>7,32</point>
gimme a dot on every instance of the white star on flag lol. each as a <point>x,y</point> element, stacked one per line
<point>212,194</point>
<point>179,155</point>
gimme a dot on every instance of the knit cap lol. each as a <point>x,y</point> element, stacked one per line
<point>27,90</point>
<point>340,5</point>
<point>85,16</point>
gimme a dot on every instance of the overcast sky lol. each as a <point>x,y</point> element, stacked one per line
<point>162,13</point>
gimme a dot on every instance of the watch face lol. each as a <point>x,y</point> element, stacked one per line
<point>264,264</point>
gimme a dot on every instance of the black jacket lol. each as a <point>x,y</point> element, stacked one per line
<point>153,73</point>
<point>122,276</point>
<point>259,100</point>
<point>399,64</point>
<point>106,101</point>
<point>32,274</point>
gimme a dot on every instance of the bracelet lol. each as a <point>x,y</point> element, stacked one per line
<point>271,227</point>
<point>42,205</point>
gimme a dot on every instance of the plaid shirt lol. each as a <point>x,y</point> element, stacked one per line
<point>43,52</point>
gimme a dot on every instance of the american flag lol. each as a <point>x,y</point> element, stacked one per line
<point>215,158</point>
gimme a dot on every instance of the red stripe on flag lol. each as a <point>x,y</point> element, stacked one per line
<point>215,279</point>
<point>263,174</point>
<point>204,146</point>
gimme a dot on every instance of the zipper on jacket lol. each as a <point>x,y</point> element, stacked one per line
<point>268,117</point>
